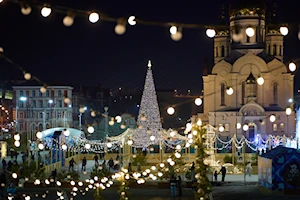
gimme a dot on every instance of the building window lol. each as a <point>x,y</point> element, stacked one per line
<point>274,127</point>
<point>59,102</point>
<point>281,127</point>
<point>243,92</point>
<point>21,93</point>
<point>40,115</point>
<point>59,93</point>
<point>47,93</point>
<point>227,127</point>
<point>248,39</point>
<point>280,50</point>
<point>222,51</point>
<point>33,115</point>
<point>41,94</point>
<point>47,115</point>
<point>222,94</point>
<point>21,104</point>
<point>59,115</point>
<point>33,93</point>
<point>40,103</point>
<point>21,127</point>
<point>33,103</point>
<point>21,115</point>
<point>275,92</point>
<point>275,50</point>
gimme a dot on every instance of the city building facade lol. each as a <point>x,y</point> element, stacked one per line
<point>36,111</point>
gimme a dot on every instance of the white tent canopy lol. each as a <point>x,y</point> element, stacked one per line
<point>73,132</point>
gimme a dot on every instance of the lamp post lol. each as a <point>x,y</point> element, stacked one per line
<point>23,99</point>
<point>288,112</point>
<point>81,110</point>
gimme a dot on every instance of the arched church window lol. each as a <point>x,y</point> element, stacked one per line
<point>280,50</point>
<point>274,49</point>
<point>248,39</point>
<point>243,92</point>
<point>275,92</point>
<point>222,94</point>
<point>217,51</point>
<point>222,51</point>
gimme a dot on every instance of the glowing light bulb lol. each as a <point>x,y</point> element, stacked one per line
<point>198,101</point>
<point>250,32</point>
<point>66,132</point>
<point>17,143</point>
<point>284,30</point>
<point>91,129</point>
<point>177,36</point>
<point>221,129</point>
<point>272,118</point>
<point>120,29</point>
<point>68,20</point>
<point>245,127</point>
<point>288,111</point>
<point>173,30</point>
<point>43,89</point>
<point>292,67</point>
<point>87,146</point>
<point>152,137</point>
<point>131,20</point>
<point>210,33</point>
<point>94,17</point>
<point>229,91</point>
<point>129,142</point>
<point>39,135</point>
<point>260,80</point>
<point>170,110</point>
<point>238,125</point>
<point>27,76</point>
<point>109,145</point>
<point>118,119</point>
<point>46,11</point>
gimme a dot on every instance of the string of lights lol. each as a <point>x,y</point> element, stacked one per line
<point>93,16</point>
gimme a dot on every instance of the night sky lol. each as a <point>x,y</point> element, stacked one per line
<point>93,54</point>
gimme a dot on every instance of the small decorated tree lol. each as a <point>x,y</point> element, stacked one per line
<point>202,184</point>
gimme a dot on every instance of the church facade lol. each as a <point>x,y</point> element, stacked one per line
<point>249,83</point>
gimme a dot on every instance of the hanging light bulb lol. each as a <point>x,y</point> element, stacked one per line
<point>250,31</point>
<point>91,129</point>
<point>123,126</point>
<point>43,89</point>
<point>177,36</point>
<point>260,80</point>
<point>152,137</point>
<point>238,126</point>
<point>198,101</point>
<point>129,142</point>
<point>87,146</point>
<point>245,127</point>
<point>173,30</point>
<point>66,132</point>
<point>46,11</point>
<point>292,67</point>
<point>93,114</point>
<point>27,76</point>
<point>288,111</point>
<point>284,30</point>
<point>26,10</point>
<point>210,33</point>
<point>39,135</point>
<point>17,143</point>
<point>64,147</point>
<point>272,118</point>
<point>68,20</point>
<point>229,91</point>
<point>118,119</point>
<point>120,28</point>
<point>131,20</point>
<point>170,110</point>
<point>94,17</point>
<point>109,145</point>
<point>221,129</point>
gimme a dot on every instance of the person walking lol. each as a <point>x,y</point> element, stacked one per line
<point>71,164</point>
<point>179,186</point>
<point>2,184</point>
<point>223,171</point>
<point>110,164</point>
<point>96,159</point>
<point>83,168</point>
<point>4,164</point>
<point>216,176</point>
<point>173,185</point>
<point>248,169</point>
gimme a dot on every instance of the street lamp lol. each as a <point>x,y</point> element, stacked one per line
<point>22,98</point>
<point>288,112</point>
<point>81,110</point>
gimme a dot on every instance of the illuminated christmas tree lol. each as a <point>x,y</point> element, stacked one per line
<point>148,123</point>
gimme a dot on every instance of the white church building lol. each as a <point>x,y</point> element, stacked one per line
<point>240,60</point>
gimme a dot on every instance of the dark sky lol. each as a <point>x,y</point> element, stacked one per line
<point>93,54</point>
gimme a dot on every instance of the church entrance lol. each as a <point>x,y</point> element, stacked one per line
<point>251,134</point>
